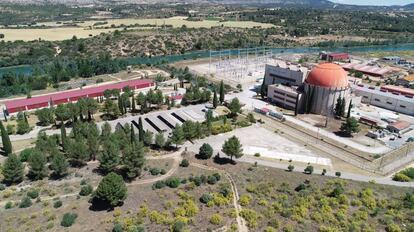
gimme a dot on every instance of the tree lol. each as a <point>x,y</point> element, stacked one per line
<point>206,151</point>
<point>232,147</point>
<point>291,167</point>
<point>7,146</point>
<point>37,165</point>
<point>350,126</point>
<point>77,150</point>
<point>133,105</point>
<point>349,109</point>
<point>160,140</point>
<point>63,134</point>
<point>133,159</point>
<point>62,113</point>
<point>140,130</point>
<point>13,169</point>
<point>111,190</point>
<point>215,100</point>
<point>148,138</point>
<point>133,138</point>
<point>263,90</point>
<point>177,136</point>
<point>59,165</point>
<point>109,158</point>
<point>45,116</point>
<point>221,92</point>
<point>235,106</point>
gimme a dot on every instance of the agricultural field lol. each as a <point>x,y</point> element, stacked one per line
<point>87,29</point>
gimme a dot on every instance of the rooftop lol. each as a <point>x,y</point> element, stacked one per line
<point>400,125</point>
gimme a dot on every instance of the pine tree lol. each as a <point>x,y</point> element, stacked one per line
<point>140,130</point>
<point>215,101</point>
<point>37,165</point>
<point>221,92</point>
<point>13,169</point>
<point>160,140</point>
<point>177,136</point>
<point>232,147</point>
<point>111,190</point>
<point>350,126</point>
<point>133,159</point>
<point>59,165</point>
<point>7,146</point>
<point>343,106</point>
<point>109,158</point>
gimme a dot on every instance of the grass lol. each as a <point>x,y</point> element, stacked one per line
<point>83,29</point>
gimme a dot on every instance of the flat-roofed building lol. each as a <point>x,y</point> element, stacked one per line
<point>285,73</point>
<point>283,96</point>
<point>393,101</point>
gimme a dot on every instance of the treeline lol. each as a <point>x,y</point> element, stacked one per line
<point>59,70</point>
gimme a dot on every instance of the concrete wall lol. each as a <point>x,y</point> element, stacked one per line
<point>281,97</point>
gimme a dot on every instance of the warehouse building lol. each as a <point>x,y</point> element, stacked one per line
<point>383,98</point>
<point>17,105</point>
<point>334,56</point>
<point>370,70</point>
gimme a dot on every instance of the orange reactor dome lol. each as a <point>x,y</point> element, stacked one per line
<point>328,75</point>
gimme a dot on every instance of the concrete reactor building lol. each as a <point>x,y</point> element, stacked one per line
<point>321,89</point>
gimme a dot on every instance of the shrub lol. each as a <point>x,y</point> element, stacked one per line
<point>309,170</point>
<point>206,151</point>
<point>211,180</point>
<point>245,200</point>
<point>408,172</point>
<point>206,198</point>
<point>218,176</point>
<point>83,182</point>
<point>155,171</point>
<point>162,172</point>
<point>216,219</point>
<point>158,185</point>
<point>338,174</point>
<point>173,182</point>
<point>68,219</point>
<point>250,216</point>
<point>8,205</point>
<point>184,163</point>
<point>401,177</point>
<point>117,228</point>
<point>33,193</point>
<point>178,226</point>
<point>291,167</point>
<point>86,190</point>
<point>25,154</point>
<point>57,204</point>
<point>25,203</point>
<point>2,187</point>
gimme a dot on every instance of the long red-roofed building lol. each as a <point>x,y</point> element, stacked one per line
<point>17,105</point>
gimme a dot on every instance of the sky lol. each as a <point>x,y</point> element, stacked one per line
<point>375,2</point>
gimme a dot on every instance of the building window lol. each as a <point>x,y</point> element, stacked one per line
<point>402,106</point>
<point>366,97</point>
<point>376,99</point>
<point>389,103</point>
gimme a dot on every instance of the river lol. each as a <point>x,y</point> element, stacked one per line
<point>27,69</point>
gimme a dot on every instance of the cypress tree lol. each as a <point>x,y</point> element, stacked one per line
<point>7,146</point>
<point>140,130</point>
<point>215,101</point>
<point>221,92</point>
<point>263,90</point>
<point>133,102</point>
<point>13,169</point>
<point>343,106</point>
<point>349,109</point>
<point>133,139</point>
<point>63,134</point>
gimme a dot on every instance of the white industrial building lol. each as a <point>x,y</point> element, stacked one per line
<point>285,73</point>
<point>387,100</point>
